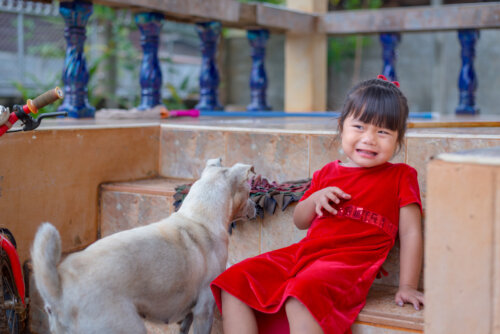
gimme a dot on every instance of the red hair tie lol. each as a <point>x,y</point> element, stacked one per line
<point>381,76</point>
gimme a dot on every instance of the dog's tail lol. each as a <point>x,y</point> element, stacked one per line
<point>46,255</point>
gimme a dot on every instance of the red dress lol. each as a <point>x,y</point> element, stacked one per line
<point>331,270</point>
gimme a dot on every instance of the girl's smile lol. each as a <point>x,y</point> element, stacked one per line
<point>367,145</point>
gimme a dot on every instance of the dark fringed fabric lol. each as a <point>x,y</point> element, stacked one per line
<point>266,195</point>
<point>269,195</point>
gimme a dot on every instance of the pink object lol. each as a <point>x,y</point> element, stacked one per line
<point>183,113</point>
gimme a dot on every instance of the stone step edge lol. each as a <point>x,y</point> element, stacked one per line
<point>160,186</point>
<point>380,309</point>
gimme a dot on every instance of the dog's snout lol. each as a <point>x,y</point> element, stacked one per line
<point>250,209</point>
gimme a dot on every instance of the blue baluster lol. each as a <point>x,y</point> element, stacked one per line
<point>150,76</point>
<point>389,42</point>
<point>467,82</point>
<point>258,78</point>
<point>209,33</point>
<point>75,74</point>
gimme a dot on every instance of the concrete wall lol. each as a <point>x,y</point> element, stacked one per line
<point>54,176</point>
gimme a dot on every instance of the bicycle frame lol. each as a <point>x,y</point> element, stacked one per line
<point>11,252</point>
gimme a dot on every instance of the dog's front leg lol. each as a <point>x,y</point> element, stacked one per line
<point>203,322</point>
<point>204,313</point>
<point>186,324</point>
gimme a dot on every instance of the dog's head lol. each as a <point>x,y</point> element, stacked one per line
<point>243,206</point>
<point>225,188</point>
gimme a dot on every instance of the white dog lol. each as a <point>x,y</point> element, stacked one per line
<point>161,271</point>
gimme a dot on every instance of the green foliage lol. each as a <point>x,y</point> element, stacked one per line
<point>274,2</point>
<point>175,101</point>
<point>41,87</point>
<point>44,50</point>
<point>341,48</point>
<point>177,94</point>
<point>117,51</point>
<point>357,4</point>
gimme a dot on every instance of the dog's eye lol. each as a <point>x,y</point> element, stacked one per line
<point>48,310</point>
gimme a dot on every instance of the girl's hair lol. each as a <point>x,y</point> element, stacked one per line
<point>377,102</point>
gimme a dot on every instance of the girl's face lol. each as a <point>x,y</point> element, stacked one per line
<point>367,145</point>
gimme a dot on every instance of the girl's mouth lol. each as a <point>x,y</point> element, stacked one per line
<point>366,153</point>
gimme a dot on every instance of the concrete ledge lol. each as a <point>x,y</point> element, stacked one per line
<point>485,156</point>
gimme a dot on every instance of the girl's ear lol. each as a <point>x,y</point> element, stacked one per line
<point>339,129</point>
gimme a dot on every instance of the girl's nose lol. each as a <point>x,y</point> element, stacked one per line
<point>368,138</point>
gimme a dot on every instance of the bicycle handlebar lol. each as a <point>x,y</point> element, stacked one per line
<point>32,106</point>
<point>45,99</point>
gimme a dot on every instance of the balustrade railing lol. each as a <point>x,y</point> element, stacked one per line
<point>75,73</point>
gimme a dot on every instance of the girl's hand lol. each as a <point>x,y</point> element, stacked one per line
<point>407,294</point>
<point>322,199</point>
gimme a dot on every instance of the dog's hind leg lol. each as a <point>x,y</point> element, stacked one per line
<point>117,317</point>
<point>186,324</point>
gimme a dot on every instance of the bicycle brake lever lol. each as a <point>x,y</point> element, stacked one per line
<point>53,114</point>
<point>28,122</point>
<point>31,124</point>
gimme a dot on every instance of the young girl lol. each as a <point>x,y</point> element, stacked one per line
<point>353,211</point>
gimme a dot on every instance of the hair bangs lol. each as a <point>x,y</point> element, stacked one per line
<point>377,107</point>
<point>377,102</point>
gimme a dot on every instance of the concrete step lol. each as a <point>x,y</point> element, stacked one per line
<point>129,204</point>
<point>124,205</point>
<point>382,315</point>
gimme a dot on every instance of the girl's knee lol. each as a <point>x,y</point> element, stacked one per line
<point>294,305</point>
<point>300,318</point>
<point>231,302</point>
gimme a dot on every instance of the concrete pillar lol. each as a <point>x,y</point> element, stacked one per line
<point>306,64</point>
<point>462,247</point>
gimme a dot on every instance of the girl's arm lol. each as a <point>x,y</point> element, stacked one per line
<point>410,236</point>
<point>307,209</point>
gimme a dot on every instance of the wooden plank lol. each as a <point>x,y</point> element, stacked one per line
<point>248,14</point>
<point>288,20</point>
<point>230,13</point>
<point>417,19</point>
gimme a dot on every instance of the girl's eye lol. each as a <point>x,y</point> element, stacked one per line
<point>357,126</point>
<point>385,132</point>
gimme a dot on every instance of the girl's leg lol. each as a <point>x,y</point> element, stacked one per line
<point>237,317</point>
<point>300,319</point>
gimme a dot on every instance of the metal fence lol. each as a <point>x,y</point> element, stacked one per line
<point>26,29</point>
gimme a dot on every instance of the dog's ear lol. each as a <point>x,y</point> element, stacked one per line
<point>217,162</point>
<point>241,172</point>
